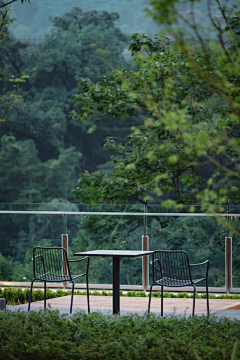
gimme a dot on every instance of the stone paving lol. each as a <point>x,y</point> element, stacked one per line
<point>139,304</point>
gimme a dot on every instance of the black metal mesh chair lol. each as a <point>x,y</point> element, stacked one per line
<point>49,265</point>
<point>171,268</point>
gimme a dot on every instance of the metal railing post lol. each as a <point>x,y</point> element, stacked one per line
<point>145,262</point>
<point>65,246</point>
<point>228,262</point>
<point>145,259</point>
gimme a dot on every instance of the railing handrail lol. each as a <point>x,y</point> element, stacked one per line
<point>112,213</point>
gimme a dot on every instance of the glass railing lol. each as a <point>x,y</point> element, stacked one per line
<point>24,226</point>
<point>21,232</point>
<point>93,232</point>
<point>235,253</point>
<point>202,237</point>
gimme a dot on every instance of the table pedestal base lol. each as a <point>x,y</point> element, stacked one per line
<point>116,285</point>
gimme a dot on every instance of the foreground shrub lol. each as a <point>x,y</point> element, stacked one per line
<point>48,335</point>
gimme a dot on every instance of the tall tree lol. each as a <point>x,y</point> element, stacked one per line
<point>145,163</point>
<point>216,141</point>
<point>191,98</point>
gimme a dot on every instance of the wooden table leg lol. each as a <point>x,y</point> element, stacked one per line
<point>116,285</point>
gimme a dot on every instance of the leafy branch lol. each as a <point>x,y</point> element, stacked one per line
<point>12,1</point>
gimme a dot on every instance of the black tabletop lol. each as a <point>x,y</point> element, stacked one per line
<point>114,253</point>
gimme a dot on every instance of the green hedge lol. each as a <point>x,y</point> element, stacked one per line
<point>17,296</point>
<point>48,335</point>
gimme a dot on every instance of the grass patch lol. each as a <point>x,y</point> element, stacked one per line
<point>48,335</point>
<point>17,296</point>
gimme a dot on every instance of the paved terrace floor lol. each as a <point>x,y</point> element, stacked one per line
<point>139,305</point>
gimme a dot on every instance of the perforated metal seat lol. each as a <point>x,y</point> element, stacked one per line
<point>171,268</point>
<point>51,264</point>
<point>175,282</point>
<point>49,277</point>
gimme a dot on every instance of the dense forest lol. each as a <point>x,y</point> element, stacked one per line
<point>43,149</point>
<point>48,140</point>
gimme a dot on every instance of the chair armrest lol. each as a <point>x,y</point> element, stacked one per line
<point>154,261</point>
<point>35,257</point>
<point>203,263</point>
<point>86,257</point>
<point>154,268</point>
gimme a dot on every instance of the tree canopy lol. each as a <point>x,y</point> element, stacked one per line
<point>187,150</point>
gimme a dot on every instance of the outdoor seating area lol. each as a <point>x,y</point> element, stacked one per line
<point>170,268</point>
<point>186,270</point>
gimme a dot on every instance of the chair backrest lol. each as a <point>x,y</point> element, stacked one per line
<point>173,264</point>
<point>51,260</point>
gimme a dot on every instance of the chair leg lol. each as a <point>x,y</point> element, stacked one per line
<point>149,301</point>
<point>30,296</point>
<point>88,302</point>
<point>194,295</point>
<point>207,297</point>
<point>72,297</point>
<point>161,300</point>
<point>45,294</point>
